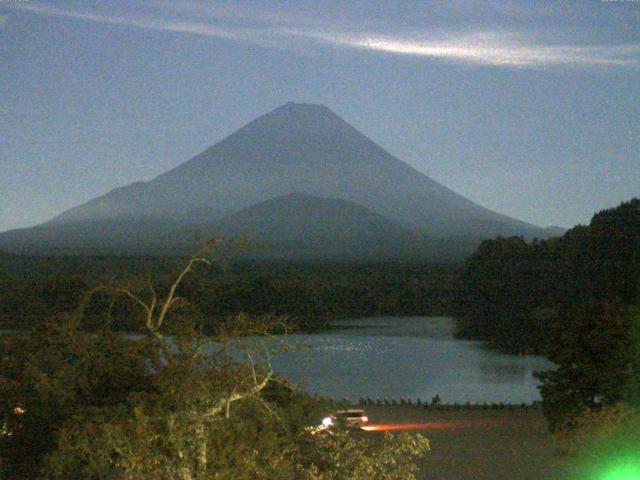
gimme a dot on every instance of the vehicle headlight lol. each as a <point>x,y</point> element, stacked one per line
<point>327,421</point>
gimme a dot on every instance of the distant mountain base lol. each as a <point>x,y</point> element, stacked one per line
<point>290,227</point>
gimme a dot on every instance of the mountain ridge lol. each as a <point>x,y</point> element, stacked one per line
<point>303,148</point>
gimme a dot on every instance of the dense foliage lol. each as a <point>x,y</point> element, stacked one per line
<point>33,288</point>
<point>573,299</point>
<point>80,401</point>
<point>513,293</point>
<point>597,357</point>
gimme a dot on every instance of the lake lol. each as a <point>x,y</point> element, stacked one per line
<point>407,357</point>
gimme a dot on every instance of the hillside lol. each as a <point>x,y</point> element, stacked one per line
<point>298,226</point>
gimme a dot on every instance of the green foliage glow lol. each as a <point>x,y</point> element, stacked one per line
<point>623,469</point>
<point>604,445</point>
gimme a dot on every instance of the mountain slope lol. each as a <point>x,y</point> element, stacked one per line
<point>295,148</point>
<point>122,236</point>
<point>308,149</point>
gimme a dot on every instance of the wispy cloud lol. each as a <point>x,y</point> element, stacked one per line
<point>147,22</point>
<point>500,49</point>
<point>275,29</point>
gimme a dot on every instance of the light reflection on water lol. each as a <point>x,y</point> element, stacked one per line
<point>414,357</point>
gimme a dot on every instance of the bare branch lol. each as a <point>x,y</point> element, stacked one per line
<point>266,406</point>
<point>135,298</point>
<point>253,369</point>
<point>153,290</point>
<point>227,410</point>
<point>268,357</point>
<point>234,397</point>
<point>169,300</point>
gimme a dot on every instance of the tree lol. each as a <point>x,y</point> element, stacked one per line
<point>597,363</point>
<point>49,374</point>
<point>512,293</point>
<point>171,404</point>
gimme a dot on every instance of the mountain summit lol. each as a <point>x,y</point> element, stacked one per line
<point>301,148</point>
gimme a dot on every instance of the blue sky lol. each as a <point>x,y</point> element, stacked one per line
<point>531,108</point>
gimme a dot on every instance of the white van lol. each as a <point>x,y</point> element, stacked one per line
<point>351,418</point>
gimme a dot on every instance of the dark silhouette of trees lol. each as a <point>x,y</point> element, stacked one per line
<point>596,362</point>
<point>570,298</point>
<point>312,293</point>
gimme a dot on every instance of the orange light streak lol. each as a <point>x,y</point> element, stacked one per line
<point>442,425</point>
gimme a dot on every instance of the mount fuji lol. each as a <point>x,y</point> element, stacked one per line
<point>299,175</point>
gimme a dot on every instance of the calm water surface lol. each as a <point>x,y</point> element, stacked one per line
<point>414,357</point>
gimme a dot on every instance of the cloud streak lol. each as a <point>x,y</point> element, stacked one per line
<point>133,21</point>
<point>492,48</point>
<point>505,50</point>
